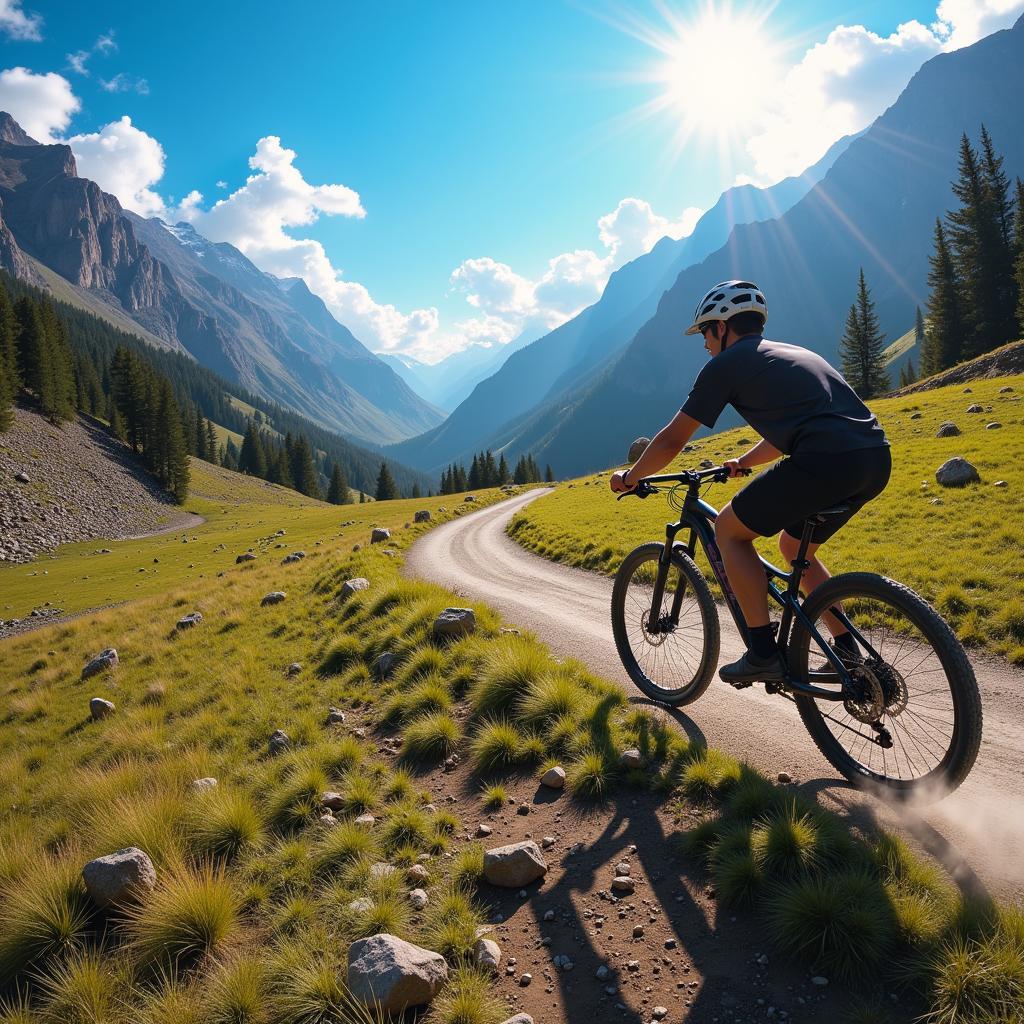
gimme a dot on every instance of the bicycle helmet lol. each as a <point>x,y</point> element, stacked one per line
<point>726,300</point>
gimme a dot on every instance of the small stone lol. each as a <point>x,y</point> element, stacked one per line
<point>488,955</point>
<point>352,586</point>
<point>670,943</point>
<point>549,915</point>
<point>515,865</point>
<point>659,1012</point>
<point>601,973</point>
<point>623,886</point>
<point>365,820</point>
<point>948,429</point>
<point>454,623</point>
<point>332,801</point>
<point>294,668</point>
<point>248,556</point>
<point>328,820</point>
<point>418,898</point>
<point>999,483</point>
<point>622,868</point>
<point>385,665</point>
<point>957,472</point>
<point>993,426</point>
<point>22,478</point>
<point>423,516</point>
<point>1005,390</point>
<point>975,408</point>
<point>525,979</point>
<point>547,842</point>
<point>188,621</point>
<point>638,931</point>
<point>482,830</point>
<point>274,597</point>
<point>103,661</point>
<point>417,873</point>
<point>379,535</point>
<point>335,716</point>
<point>519,1018</point>
<point>785,778</point>
<point>554,778</point>
<point>915,416</point>
<point>100,708</point>
<point>523,808</point>
<point>469,498</point>
<point>633,966</point>
<point>119,878</point>
<point>631,758</point>
<point>820,981</point>
<point>201,785</point>
<point>279,742</point>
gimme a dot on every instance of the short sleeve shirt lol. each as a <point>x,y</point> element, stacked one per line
<point>792,397</point>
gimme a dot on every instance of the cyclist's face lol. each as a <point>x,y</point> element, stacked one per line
<point>712,342</point>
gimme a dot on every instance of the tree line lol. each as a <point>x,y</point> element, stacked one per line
<point>36,358</point>
<point>976,281</point>
<point>486,472</point>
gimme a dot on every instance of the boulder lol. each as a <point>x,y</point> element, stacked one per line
<point>119,878</point>
<point>188,621</point>
<point>417,873</point>
<point>274,597</point>
<point>470,498</point>
<point>379,535</point>
<point>294,668</point>
<point>279,742</point>
<point>393,974</point>
<point>202,785</point>
<point>515,865</point>
<point>975,408</point>
<point>332,801</point>
<point>100,708</point>
<point>554,778</point>
<point>385,665</point>
<point>637,448</point>
<point>631,758</point>
<point>623,885</point>
<point>1005,390</point>
<point>948,429</point>
<point>349,587</point>
<point>247,557</point>
<point>335,716</point>
<point>957,472</point>
<point>289,559</point>
<point>106,659</point>
<point>488,955</point>
<point>365,820</point>
<point>454,623</point>
<point>423,516</point>
<point>993,426</point>
<point>419,899</point>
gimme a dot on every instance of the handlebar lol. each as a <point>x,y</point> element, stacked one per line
<point>692,477</point>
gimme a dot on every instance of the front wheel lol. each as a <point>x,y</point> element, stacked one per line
<point>673,659</point>
<point>914,724</point>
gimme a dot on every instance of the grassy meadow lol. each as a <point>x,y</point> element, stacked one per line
<point>257,898</point>
<point>962,549</point>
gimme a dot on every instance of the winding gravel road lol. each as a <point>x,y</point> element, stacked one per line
<point>978,832</point>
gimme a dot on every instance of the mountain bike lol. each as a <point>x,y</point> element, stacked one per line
<point>903,713</point>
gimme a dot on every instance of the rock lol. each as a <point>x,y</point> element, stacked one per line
<point>335,716</point>
<point>525,978</point>
<point>247,557</point>
<point>455,623</point>
<point>332,801</point>
<point>418,898</point>
<point>659,1012</point>
<point>100,708</point>
<point>968,391</point>
<point>1005,390</point>
<point>999,483</point>
<point>785,778</point>
<point>549,915</point>
<point>385,665</point>
<point>523,809</point>
<point>563,962</point>
<point>482,830</point>
<point>515,865</point>
<point>519,1018</point>
<point>915,416</point>
<point>349,587</point>
<point>202,785</point>
<point>328,820</point>
<point>379,535</point>
<point>547,842</point>
<point>417,873</point>
<point>362,905</point>
<point>554,778</point>
<point>279,742</point>
<point>274,597</point>
<point>106,659</point>
<point>294,668</point>
<point>638,931</point>
<point>289,559</point>
<point>488,955</point>
<point>637,448</point>
<point>819,980</point>
<point>386,971</point>
<point>602,972</point>
<point>366,821</point>
<point>631,758</point>
<point>469,498</point>
<point>622,869</point>
<point>382,870</point>
<point>119,878</point>
<point>22,478</point>
<point>957,472</point>
<point>423,516</point>
<point>623,885</point>
<point>975,408</point>
<point>948,429</point>
<point>188,621</point>
<point>633,965</point>
<point>993,426</point>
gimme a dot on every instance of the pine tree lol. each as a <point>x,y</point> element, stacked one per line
<point>279,469</point>
<point>232,455</point>
<point>1018,247</point>
<point>549,476</point>
<point>9,382</point>
<point>474,473</point>
<point>519,476</point>
<point>211,442</point>
<point>861,347</point>
<point>416,492</point>
<point>337,493</point>
<point>947,327</point>
<point>490,470</point>
<point>998,186</point>
<point>504,476</point>
<point>362,498</point>
<point>172,449</point>
<point>252,459</point>
<point>386,490</point>
<point>303,469</point>
<point>461,485</point>
<point>919,332</point>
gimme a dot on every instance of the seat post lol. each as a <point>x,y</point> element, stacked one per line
<point>800,563</point>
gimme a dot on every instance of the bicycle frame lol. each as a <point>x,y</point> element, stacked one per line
<point>698,517</point>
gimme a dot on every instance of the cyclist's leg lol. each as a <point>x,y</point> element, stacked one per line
<point>814,575</point>
<point>742,566</point>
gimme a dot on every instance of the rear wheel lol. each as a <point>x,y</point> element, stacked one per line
<point>915,721</point>
<point>670,661</point>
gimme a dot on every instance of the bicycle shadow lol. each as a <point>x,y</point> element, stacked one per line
<point>690,728</point>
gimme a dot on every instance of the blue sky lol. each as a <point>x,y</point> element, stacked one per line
<point>486,132</point>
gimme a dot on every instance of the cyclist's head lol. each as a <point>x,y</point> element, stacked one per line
<point>741,304</point>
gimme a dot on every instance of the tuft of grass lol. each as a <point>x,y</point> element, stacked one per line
<point>467,869</point>
<point>786,844</point>
<point>340,846</point>
<point>739,879</point>
<point>494,797</point>
<point>451,923</point>
<point>978,981</point>
<point>309,989</point>
<point>45,916</point>
<point>510,669</point>
<point>239,993</point>
<point>342,654</point>
<point>468,999</point>
<point>496,746</point>
<point>430,695</point>
<point>83,990</point>
<point>189,915</point>
<point>841,923</point>
<point>590,776</point>
<point>400,787</point>
<point>431,738</point>
<point>296,801</point>
<point>551,696</point>
<point>407,825</point>
<point>711,773</point>
<point>152,822</point>
<point>223,824</point>
<point>360,793</point>
<point>389,912</point>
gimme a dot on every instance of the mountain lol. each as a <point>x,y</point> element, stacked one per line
<point>875,208</point>
<point>191,295</point>
<point>572,353</point>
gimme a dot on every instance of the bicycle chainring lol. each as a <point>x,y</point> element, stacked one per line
<point>868,704</point>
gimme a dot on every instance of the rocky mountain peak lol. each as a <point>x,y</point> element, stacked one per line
<point>12,132</point>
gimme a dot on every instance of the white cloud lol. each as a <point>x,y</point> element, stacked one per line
<point>842,84</point>
<point>78,61</point>
<point>633,228</point>
<point>125,161</point>
<point>222,184</point>
<point>15,23</point>
<point>41,104</point>
<point>122,82</point>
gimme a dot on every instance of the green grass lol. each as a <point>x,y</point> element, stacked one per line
<point>494,797</point>
<point>963,554</point>
<point>431,738</point>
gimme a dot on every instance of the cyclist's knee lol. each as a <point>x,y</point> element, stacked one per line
<point>789,546</point>
<point>729,527</point>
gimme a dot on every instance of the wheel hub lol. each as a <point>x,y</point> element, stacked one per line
<point>867,702</point>
<point>656,637</point>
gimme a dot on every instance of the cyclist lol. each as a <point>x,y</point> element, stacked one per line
<point>832,448</point>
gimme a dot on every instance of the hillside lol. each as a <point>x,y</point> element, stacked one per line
<point>961,548</point>
<point>1001,362</point>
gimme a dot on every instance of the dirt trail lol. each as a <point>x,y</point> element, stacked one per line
<point>977,832</point>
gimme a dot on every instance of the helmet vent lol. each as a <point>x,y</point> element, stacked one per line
<point>737,299</point>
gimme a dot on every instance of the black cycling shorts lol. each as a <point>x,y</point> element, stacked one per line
<point>782,497</point>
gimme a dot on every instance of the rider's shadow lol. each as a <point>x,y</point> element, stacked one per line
<point>690,728</point>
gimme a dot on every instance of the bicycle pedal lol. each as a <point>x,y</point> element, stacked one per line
<point>740,684</point>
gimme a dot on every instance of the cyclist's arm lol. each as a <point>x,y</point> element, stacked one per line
<point>664,447</point>
<point>761,453</point>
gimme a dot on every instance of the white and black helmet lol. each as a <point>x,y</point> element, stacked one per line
<point>726,300</point>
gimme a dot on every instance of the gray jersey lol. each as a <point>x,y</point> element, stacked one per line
<point>791,396</point>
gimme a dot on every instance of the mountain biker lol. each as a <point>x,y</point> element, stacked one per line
<point>832,448</point>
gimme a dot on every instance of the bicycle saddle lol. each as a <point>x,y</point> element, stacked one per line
<point>836,510</point>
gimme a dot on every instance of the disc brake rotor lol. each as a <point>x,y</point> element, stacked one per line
<point>894,688</point>
<point>654,639</point>
<point>869,702</point>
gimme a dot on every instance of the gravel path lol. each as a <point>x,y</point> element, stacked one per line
<point>977,832</point>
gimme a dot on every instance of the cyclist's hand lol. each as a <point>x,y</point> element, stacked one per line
<point>734,467</point>
<point>616,484</point>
